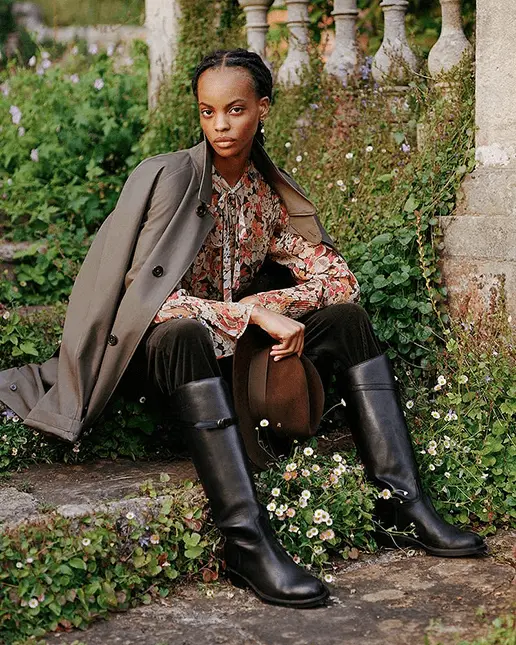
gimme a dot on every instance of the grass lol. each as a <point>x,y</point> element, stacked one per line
<point>60,13</point>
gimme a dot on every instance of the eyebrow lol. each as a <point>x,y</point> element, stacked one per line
<point>228,105</point>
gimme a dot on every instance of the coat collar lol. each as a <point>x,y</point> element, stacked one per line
<point>294,200</point>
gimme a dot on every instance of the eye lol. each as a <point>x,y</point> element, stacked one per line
<point>236,109</point>
<point>206,112</point>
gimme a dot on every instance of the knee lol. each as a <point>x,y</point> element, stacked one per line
<point>178,331</point>
<point>346,315</point>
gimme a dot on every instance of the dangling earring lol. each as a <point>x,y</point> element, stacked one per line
<point>261,127</point>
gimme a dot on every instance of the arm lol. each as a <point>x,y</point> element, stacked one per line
<point>322,275</point>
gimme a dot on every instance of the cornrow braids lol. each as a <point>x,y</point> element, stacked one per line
<point>253,63</point>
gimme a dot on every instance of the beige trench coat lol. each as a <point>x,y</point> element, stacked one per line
<point>137,258</point>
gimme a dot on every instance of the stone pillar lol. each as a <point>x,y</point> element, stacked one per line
<point>297,57</point>
<point>344,58</point>
<point>256,25</point>
<point>480,240</point>
<point>452,43</point>
<point>162,23</point>
<point>394,50</point>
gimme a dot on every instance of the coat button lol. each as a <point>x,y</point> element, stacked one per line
<point>201,210</point>
<point>112,339</point>
<point>13,387</point>
<point>157,271</point>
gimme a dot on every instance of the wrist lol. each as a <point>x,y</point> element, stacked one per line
<point>257,314</point>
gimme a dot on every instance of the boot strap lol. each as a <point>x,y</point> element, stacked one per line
<point>359,387</point>
<point>216,423</point>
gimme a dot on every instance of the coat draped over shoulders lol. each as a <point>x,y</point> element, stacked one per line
<point>138,256</point>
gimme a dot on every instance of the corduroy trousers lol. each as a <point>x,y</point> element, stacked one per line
<point>180,350</point>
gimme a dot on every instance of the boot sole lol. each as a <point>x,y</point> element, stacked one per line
<point>403,541</point>
<point>242,583</point>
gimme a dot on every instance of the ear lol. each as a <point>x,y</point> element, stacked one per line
<point>265,105</point>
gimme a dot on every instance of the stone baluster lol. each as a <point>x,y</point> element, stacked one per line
<point>256,24</point>
<point>394,50</point>
<point>297,57</point>
<point>344,58</point>
<point>162,24</point>
<point>452,43</point>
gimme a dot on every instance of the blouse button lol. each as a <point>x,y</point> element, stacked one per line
<point>112,340</point>
<point>157,271</point>
<point>13,387</point>
<point>201,210</point>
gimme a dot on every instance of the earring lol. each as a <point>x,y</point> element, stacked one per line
<point>262,127</point>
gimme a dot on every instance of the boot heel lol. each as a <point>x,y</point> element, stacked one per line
<point>236,579</point>
<point>390,541</point>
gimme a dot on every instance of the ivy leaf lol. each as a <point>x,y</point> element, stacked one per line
<point>77,563</point>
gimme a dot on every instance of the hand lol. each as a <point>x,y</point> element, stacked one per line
<point>290,333</point>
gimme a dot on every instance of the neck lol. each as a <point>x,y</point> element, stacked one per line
<point>232,168</point>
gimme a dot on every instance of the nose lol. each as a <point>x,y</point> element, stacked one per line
<point>221,123</point>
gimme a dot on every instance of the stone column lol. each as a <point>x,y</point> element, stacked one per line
<point>480,240</point>
<point>344,58</point>
<point>162,23</point>
<point>394,50</point>
<point>297,57</point>
<point>452,43</point>
<point>256,24</point>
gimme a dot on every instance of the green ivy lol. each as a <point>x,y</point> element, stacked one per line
<point>62,573</point>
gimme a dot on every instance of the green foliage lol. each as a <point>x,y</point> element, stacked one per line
<point>309,493</point>
<point>68,132</point>
<point>62,573</point>
<point>93,12</point>
<point>29,337</point>
<point>379,195</point>
<point>464,427</point>
<point>502,631</point>
<point>14,41</point>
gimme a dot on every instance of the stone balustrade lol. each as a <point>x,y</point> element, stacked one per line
<point>392,63</point>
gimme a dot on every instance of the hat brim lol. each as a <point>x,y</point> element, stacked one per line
<point>265,446</point>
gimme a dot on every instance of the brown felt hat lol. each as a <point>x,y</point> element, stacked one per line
<point>288,394</point>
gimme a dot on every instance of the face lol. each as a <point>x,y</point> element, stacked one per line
<point>230,110</point>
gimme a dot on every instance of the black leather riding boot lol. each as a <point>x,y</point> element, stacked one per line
<point>382,439</point>
<point>253,556</point>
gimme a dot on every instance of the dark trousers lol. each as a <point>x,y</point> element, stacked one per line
<point>180,350</point>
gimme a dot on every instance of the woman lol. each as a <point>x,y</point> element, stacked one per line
<point>170,277</point>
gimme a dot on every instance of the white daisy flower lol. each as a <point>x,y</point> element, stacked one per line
<point>463,379</point>
<point>271,506</point>
<point>441,380</point>
<point>130,515</point>
<point>409,404</point>
<point>435,414</point>
<point>275,492</point>
<point>328,577</point>
<point>86,542</point>
<point>349,155</point>
<point>33,603</point>
<point>306,494</point>
<point>385,494</point>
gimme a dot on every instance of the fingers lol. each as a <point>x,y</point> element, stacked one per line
<point>292,345</point>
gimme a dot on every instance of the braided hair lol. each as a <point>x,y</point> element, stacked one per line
<point>253,63</point>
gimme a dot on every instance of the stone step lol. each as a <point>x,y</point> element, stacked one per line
<point>102,486</point>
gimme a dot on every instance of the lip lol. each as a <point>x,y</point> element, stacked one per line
<point>224,140</point>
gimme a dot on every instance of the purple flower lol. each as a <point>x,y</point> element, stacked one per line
<point>405,147</point>
<point>34,155</point>
<point>46,63</point>
<point>16,114</point>
<point>98,84</point>
<point>4,88</point>
<point>74,78</point>
<point>93,49</point>
<point>365,69</point>
<point>21,131</point>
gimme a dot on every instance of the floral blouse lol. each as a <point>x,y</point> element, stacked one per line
<point>251,223</point>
